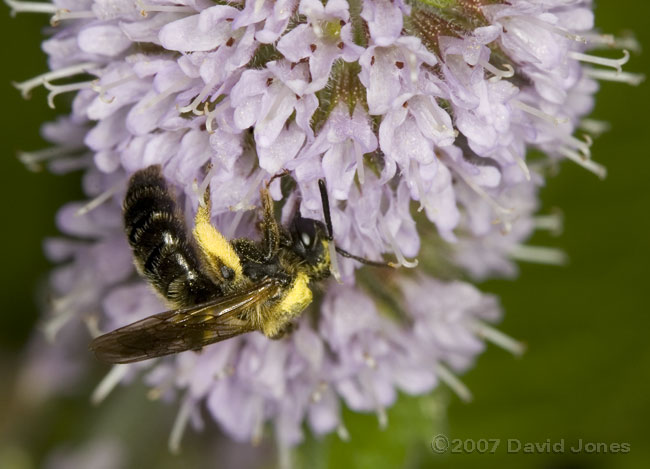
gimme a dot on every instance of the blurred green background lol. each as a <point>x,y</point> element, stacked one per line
<point>585,374</point>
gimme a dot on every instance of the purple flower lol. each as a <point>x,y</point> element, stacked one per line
<point>401,107</point>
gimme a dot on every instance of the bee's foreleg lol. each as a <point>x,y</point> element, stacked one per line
<point>269,227</point>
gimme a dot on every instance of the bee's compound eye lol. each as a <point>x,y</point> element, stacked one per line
<point>305,238</point>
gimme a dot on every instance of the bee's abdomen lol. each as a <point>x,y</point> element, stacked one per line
<point>158,237</point>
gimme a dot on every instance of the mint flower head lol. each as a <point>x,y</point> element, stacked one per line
<point>419,116</point>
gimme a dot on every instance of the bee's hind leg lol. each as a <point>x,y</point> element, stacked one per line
<point>287,330</point>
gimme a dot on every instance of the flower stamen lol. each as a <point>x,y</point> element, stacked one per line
<point>593,59</point>
<point>180,424</point>
<point>634,79</point>
<point>171,89</point>
<point>55,90</point>
<point>509,71</point>
<point>553,223</point>
<point>106,385</point>
<point>539,113</point>
<point>100,199</point>
<point>456,385</point>
<point>497,337</point>
<point>334,263</point>
<point>244,205</point>
<point>395,246</point>
<point>27,86</point>
<point>146,8</point>
<point>32,159</point>
<point>590,165</point>
<point>520,162</point>
<point>102,89</point>
<point>538,254</point>
<point>358,153</point>
<point>595,127</point>
<point>205,91</point>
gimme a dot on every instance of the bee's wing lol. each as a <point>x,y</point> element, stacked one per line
<point>183,329</point>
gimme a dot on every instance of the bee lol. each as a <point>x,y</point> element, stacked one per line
<point>217,288</point>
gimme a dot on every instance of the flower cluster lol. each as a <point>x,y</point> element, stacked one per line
<point>430,105</point>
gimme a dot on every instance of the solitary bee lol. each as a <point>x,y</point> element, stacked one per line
<point>223,288</point>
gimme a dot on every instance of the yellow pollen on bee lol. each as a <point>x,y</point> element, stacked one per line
<point>294,302</point>
<point>213,245</point>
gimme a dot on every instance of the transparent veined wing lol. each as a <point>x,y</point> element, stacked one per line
<point>185,329</point>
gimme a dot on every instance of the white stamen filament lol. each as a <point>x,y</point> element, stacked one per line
<point>244,205</point>
<point>200,190</point>
<point>358,153</point>
<point>366,381</point>
<point>30,7</point>
<point>65,14</point>
<point>102,89</point>
<point>180,424</point>
<point>106,385</point>
<point>498,74</point>
<point>32,159</point>
<point>171,89</point>
<point>211,115</point>
<point>553,223</point>
<point>63,303</point>
<point>415,171</point>
<point>92,324</point>
<point>593,59</point>
<point>284,451</point>
<point>634,79</point>
<point>583,147</point>
<point>395,246</point>
<point>56,90</point>
<point>595,127</point>
<point>456,385</point>
<point>334,263</point>
<point>62,310</point>
<point>343,432</point>
<point>147,8</point>
<point>205,91</point>
<point>539,113</point>
<point>54,324</point>
<point>27,86</point>
<point>57,13</point>
<point>609,40</point>
<point>497,337</point>
<point>520,162</point>
<point>100,199</point>
<point>485,196</point>
<point>433,121</point>
<point>538,254</point>
<point>590,165</point>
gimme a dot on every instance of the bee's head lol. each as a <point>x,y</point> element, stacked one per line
<point>309,238</point>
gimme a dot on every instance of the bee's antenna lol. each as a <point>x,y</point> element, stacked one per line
<point>330,231</point>
<point>363,260</point>
<point>326,208</point>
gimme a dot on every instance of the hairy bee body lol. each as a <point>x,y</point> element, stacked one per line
<point>217,287</point>
<point>158,237</point>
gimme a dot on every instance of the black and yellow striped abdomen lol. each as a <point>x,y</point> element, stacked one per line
<point>158,237</point>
